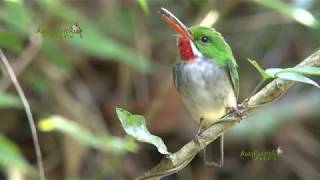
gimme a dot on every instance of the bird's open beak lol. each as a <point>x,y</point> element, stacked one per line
<point>174,23</point>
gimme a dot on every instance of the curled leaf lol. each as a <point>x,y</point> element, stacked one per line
<point>135,126</point>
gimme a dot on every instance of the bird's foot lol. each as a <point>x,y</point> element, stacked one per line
<point>236,111</point>
<point>197,139</point>
<point>198,134</point>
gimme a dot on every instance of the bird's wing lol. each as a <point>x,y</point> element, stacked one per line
<point>175,76</point>
<point>233,75</point>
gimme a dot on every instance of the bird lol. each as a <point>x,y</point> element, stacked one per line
<point>206,74</point>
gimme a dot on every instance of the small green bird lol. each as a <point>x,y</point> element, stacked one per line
<point>207,76</point>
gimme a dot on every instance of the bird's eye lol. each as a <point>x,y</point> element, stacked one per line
<point>204,39</point>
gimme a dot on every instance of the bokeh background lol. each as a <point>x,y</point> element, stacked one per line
<point>124,59</point>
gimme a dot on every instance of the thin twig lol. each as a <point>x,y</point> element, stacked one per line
<point>28,112</point>
<point>257,88</point>
<point>175,162</point>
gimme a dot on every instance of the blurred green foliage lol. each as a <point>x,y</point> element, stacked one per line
<point>109,37</point>
<point>9,40</point>
<point>37,82</point>
<point>9,101</point>
<point>101,140</point>
<point>16,16</point>
<point>144,6</point>
<point>10,155</point>
<point>299,14</point>
<point>94,42</point>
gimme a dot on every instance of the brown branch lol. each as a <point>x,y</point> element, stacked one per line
<point>175,162</point>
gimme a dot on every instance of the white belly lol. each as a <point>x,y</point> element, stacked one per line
<point>205,89</point>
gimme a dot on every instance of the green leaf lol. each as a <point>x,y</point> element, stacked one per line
<point>8,100</point>
<point>295,74</point>
<point>9,40</point>
<point>135,125</point>
<point>263,73</point>
<point>144,5</point>
<point>306,70</point>
<point>10,155</point>
<point>273,71</point>
<point>296,77</point>
<point>100,141</point>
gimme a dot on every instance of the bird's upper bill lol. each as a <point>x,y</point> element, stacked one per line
<point>174,23</point>
<point>185,39</point>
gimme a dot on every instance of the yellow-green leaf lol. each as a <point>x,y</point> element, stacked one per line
<point>144,6</point>
<point>262,72</point>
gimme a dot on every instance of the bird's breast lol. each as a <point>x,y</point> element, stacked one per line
<point>205,89</point>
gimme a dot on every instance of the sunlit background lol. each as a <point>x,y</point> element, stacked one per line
<point>124,59</point>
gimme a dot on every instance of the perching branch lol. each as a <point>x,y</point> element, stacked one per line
<point>175,162</point>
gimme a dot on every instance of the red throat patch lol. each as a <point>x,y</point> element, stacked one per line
<point>185,50</point>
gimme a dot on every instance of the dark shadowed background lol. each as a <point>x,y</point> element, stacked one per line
<point>123,57</point>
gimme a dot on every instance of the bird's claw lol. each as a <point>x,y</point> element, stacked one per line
<point>198,135</point>
<point>196,139</point>
<point>236,111</point>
